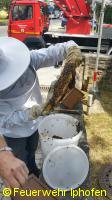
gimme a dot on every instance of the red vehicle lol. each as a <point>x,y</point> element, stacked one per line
<point>77,13</point>
<point>78,27</point>
<point>28,20</point>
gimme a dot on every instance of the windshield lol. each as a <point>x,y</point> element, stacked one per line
<point>22,12</point>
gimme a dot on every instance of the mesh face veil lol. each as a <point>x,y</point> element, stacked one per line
<point>21,86</point>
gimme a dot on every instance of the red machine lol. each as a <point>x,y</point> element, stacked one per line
<point>77,13</point>
<point>28,20</point>
<point>79,27</point>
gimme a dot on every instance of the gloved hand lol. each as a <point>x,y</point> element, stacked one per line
<point>34,112</point>
<point>74,56</point>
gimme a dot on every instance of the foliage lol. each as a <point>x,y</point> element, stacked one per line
<point>5,4</point>
<point>98,10</point>
<point>108,13</point>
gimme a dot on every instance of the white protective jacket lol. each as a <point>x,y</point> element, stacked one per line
<point>14,121</point>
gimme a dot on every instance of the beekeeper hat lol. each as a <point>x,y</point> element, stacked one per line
<point>14,60</point>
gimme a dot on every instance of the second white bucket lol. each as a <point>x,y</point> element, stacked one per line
<point>58,130</point>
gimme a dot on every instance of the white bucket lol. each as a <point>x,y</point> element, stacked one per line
<point>65,167</point>
<point>58,125</point>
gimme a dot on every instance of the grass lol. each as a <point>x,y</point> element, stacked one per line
<point>99,134</point>
<point>106,101</point>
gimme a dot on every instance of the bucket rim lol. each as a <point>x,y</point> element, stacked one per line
<point>57,115</point>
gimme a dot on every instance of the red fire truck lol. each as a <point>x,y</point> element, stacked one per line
<point>28,20</point>
<point>78,15</point>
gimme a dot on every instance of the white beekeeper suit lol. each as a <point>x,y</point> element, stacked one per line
<point>25,91</point>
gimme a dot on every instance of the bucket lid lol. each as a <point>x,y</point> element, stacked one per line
<point>65,167</point>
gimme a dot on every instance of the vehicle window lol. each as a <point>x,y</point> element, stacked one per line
<point>22,12</point>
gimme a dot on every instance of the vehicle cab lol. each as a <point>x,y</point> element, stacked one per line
<point>28,20</point>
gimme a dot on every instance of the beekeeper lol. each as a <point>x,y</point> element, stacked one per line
<point>20,103</point>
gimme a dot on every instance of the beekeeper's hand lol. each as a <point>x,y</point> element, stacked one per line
<point>12,170</point>
<point>34,112</point>
<point>74,56</point>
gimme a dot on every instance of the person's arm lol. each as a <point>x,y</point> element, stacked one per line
<point>50,56</point>
<point>20,116</point>
<point>12,170</point>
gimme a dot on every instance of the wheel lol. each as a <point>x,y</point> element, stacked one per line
<point>34,43</point>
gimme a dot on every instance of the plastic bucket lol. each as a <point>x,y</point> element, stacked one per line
<point>65,167</point>
<point>58,130</point>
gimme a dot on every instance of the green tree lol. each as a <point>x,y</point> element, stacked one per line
<point>5,3</point>
<point>108,13</point>
<point>98,10</point>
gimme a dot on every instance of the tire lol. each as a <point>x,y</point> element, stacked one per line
<point>35,43</point>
